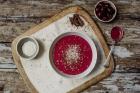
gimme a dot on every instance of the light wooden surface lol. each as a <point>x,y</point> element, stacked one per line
<point>17,16</point>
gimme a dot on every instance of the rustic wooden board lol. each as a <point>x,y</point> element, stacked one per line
<point>15,20</point>
<point>98,33</point>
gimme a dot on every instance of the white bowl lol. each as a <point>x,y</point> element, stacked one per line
<point>112,4</point>
<point>93,48</point>
<point>22,41</point>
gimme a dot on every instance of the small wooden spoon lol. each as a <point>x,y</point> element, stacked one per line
<point>116,34</point>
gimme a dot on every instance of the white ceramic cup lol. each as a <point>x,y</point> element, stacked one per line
<point>22,41</point>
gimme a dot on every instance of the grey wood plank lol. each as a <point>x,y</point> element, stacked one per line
<point>10,30</point>
<point>117,82</point>
<point>50,7</point>
<point>17,16</point>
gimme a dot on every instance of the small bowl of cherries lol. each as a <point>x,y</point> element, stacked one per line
<point>105,11</point>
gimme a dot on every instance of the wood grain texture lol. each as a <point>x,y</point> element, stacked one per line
<point>117,82</point>
<point>9,30</point>
<point>43,8</point>
<point>11,82</point>
<point>17,16</point>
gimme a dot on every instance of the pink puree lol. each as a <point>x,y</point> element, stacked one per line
<point>76,67</point>
<point>116,33</point>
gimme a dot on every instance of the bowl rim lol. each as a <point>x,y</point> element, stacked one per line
<point>112,4</point>
<point>23,40</point>
<point>93,48</point>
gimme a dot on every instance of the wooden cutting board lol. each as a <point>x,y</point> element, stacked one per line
<point>40,76</point>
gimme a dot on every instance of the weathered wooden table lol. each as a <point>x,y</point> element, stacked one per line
<point>17,16</point>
